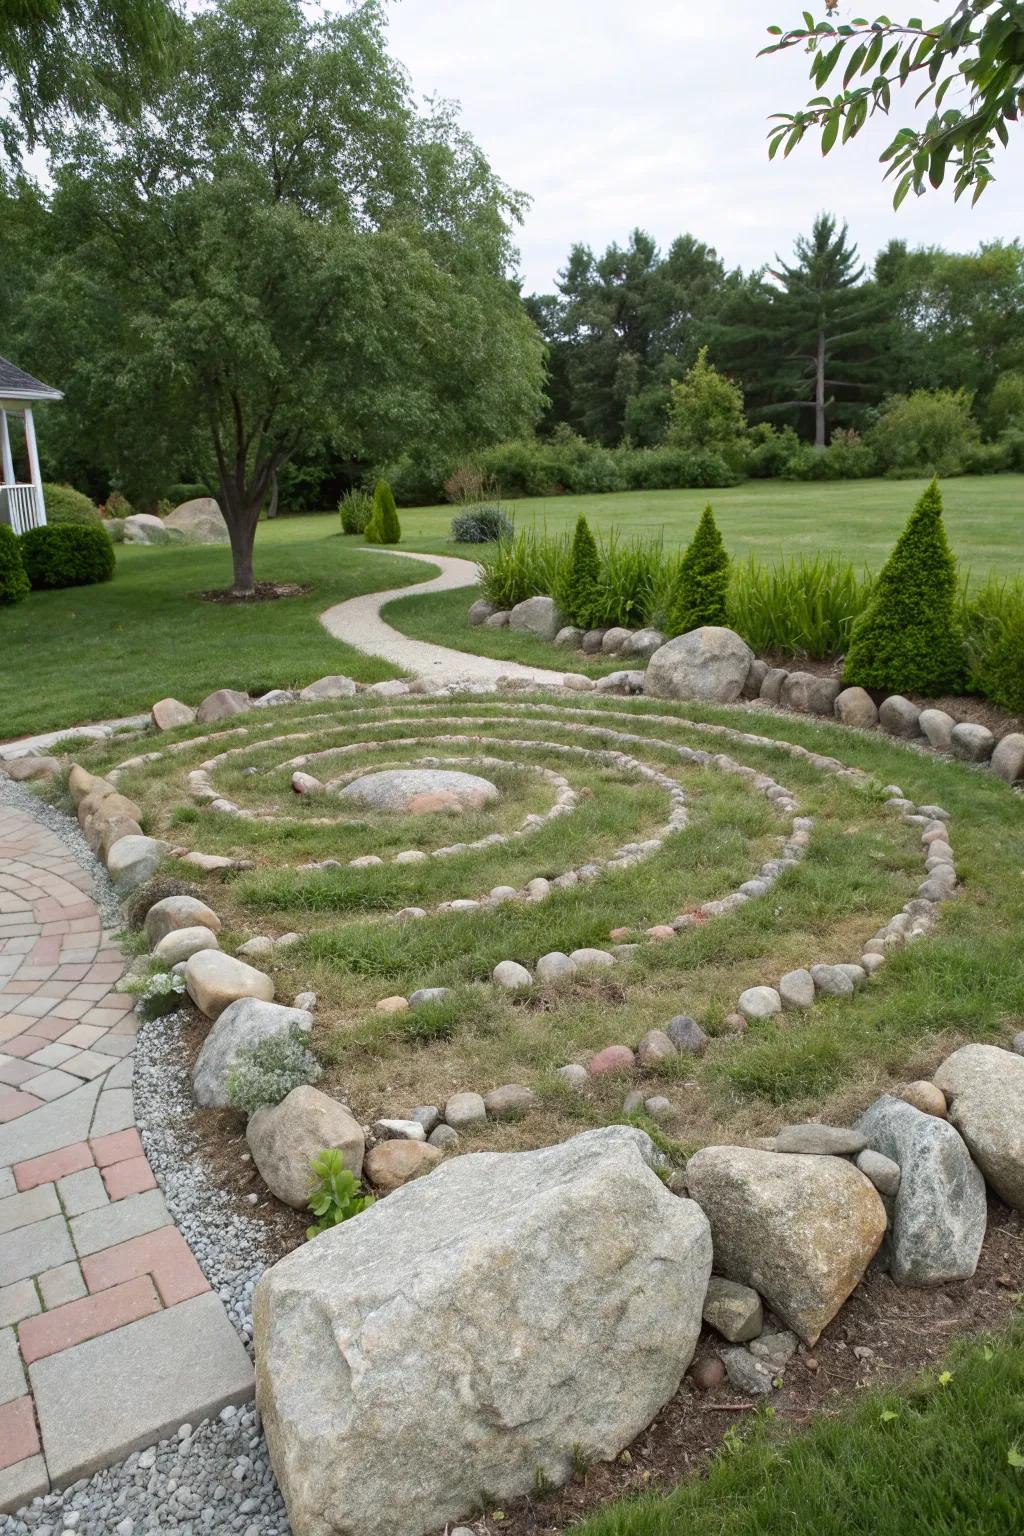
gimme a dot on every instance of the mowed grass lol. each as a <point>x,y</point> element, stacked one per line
<point>941,1459</point>
<point>966,981</point>
<point>93,653</point>
<point>857,520</point>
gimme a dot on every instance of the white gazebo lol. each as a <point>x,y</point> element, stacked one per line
<point>21,502</point>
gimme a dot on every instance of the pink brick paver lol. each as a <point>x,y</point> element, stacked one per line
<point>58,1012</point>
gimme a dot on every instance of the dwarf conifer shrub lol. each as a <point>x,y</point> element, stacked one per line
<point>383,527</point>
<point>702,584</point>
<point>909,639</point>
<point>67,555</point>
<point>14,584</point>
<point>580,594</point>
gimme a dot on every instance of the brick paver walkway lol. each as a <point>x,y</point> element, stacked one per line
<point>110,1336</point>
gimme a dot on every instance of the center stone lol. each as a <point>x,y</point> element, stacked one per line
<point>419,791</point>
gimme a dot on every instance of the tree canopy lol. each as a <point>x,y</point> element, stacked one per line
<point>285,253</point>
<point>967,73</point>
<point>63,59</point>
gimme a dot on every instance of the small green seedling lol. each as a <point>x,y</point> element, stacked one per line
<point>334,1195</point>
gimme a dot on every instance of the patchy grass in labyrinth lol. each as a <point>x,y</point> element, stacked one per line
<point>862,863</point>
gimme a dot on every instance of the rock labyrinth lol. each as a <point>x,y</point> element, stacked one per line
<point>254,760</point>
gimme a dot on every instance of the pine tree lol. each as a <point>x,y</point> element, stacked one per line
<point>702,585</point>
<point>908,639</point>
<point>383,527</point>
<point>580,597</point>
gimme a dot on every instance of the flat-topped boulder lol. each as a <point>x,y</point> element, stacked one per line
<point>477,1329</point>
<point>420,791</point>
<point>335,687</point>
<point>222,704</point>
<point>215,980</point>
<point>30,766</point>
<point>708,663</point>
<point>169,714</point>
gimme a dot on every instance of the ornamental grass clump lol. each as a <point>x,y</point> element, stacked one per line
<point>14,584</point>
<point>580,594</point>
<point>383,527</point>
<point>806,606</point>
<point>355,510</point>
<point>909,639</point>
<point>702,588</point>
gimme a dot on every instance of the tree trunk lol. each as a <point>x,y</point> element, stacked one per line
<point>819,394</point>
<point>241,523</point>
<point>272,503</point>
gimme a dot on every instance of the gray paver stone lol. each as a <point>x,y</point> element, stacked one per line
<point>20,1484</point>
<point>81,1191</point>
<point>30,1250</point>
<point>114,1112</point>
<point>134,1385</point>
<point>34,1205</point>
<point>116,1223</point>
<point>12,1376</point>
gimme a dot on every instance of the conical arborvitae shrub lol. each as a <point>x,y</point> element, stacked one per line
<point>702,588</point>
<point>908,639</point>
<point>580,600</point>
<point>14,584</point>
<point>383,527</point>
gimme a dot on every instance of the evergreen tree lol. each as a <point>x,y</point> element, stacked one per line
<point>703,583</point>
<point>908,639</point>
<point>581,597</point>
<point>705,411</point>
<point>383,527</point>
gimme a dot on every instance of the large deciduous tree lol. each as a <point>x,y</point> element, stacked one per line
<point>286,254</point>
<point>966,69</point>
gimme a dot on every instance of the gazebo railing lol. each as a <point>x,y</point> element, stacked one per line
<point>19,506</point>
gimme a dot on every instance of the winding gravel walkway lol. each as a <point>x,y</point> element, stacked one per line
<point>359,624</point>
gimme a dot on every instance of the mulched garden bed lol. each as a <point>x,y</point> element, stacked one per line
<point>263,592</point>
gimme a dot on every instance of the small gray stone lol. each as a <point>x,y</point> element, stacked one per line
<point>658,1107</point>
<point>573,1074</point>
<point>592,642</point>
<point>772,684</point>
<point>429,1116</point>
<point>856,707</point>
<point>498,620</point>
<point>509,1102</point>
<point>555,967</point>
<point>538,616</point>
<point>463,1111</point>
<point>796,989</point>
<point>426,995</point>
<point>569,637</point>
<point>644,643</point>
<point>399,1130</point>
<point>443,1137</point>
<point>775,1349</point>
<point>882,1171</point>
<point>972,743</point>
<point>810,694</point>
<point>831,980</point>
<point>747,1374</point>
<point>686,1035</point>
<point>759,1003</point>
<point>937,726</point>
<point>755,677</point>
<point>820,1140</point>
<point>733,1310</point>
<point>480,611</point>
<point>633,1103</point>
<point>334,687</point>
<point>512,976</point>
<point>1008,758</point>
<point>614,640</point>
<point>899,717</point>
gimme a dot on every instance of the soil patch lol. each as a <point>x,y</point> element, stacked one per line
<point>263,592</point>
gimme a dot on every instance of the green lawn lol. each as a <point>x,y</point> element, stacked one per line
<point>93,653</point>
<point>859,520</point>
<point>936,1461</point>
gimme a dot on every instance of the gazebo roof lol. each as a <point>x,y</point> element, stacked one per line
<point>16,384</point>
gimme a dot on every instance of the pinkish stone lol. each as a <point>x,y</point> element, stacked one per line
<point>618,934</point>
<point>661,931</point>
<point>614,1058</point>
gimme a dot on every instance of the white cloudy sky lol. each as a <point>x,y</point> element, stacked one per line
<point>616,113</point>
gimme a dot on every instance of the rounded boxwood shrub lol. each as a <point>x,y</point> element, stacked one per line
<point>383,527</point>
<point>14,584</point>
<point>1000,673</point>
<point>66,505</point>
<point>908,639</point>
<point>703,581</point>
<point>67,555</point>
<point>482,525</point>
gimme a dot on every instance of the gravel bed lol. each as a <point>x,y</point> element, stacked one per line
<point>20,797</point>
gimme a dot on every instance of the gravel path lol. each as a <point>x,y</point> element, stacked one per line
<point>358,623</point>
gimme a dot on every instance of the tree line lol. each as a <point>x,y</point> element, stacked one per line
<point>816,342</point>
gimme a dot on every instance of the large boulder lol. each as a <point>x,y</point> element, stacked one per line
<point>538,616</point>
<point>284,1139</point>
<point>1007,759</point>
<point>708,663</point>
<point>985,1085</point>
<point>30,766</point>
<point>200,521</point>
<point>801,1230</point>
<point>242,1025</point>
<point>334,687</point>
<point>215,980</point>
<point>144,528</point>
<point>856,707</point>
<point>938,1223</point>
<point>168,714</point>
<point>810,694</point>
<point>478,1329</point>
<point>418,791</point>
